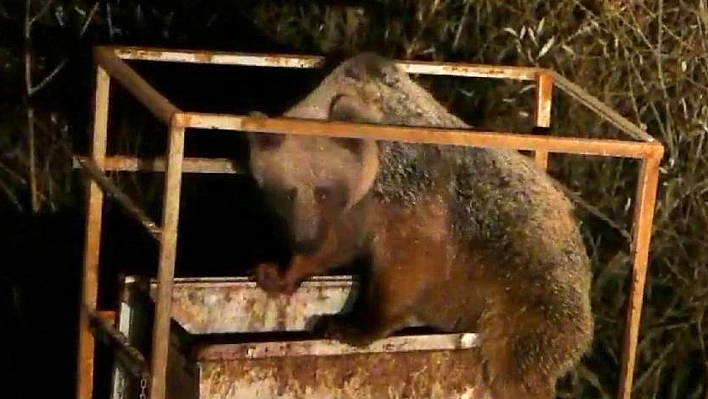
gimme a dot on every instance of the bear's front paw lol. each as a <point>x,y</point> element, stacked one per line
<point>270,279</point>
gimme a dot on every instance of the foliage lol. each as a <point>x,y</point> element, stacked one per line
<point>647,59</point>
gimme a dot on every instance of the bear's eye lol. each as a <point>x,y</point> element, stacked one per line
<point>323,193</point>
<point>331,194</point>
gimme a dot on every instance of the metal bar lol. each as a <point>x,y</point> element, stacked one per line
<point>541,159</point>
<point>645,203</point>
<point>309,61</point>
<point>544,98</point>
<point>92,241</point>
<point>132,359</point>
<point>408,343</point>
<point>168,253</point>
<point>216,57</point>
<point>189,165</point>
<point>469,70</point>
<point>344,280</point>
<point>542,112</point>
<point>598,107</point>
<point>93,171</point>
<point>423,135</point>
<point>135,84</point>
<point>109,316</point>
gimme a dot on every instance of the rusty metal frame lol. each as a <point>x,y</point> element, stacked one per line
<point>112,65</point>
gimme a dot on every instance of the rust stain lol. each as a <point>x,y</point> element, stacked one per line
<point>240,306</point>
<point>275,60</point>
<point>287,60</point>
<point>146,53</point>
<point>487,71</point>
<point>204,56</point>
<point>282,311</point>
<point>254,123</point>
<point>390,375</point>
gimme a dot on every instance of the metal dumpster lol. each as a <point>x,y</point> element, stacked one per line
<point>229,339</point>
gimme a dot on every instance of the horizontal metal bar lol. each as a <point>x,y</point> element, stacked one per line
<point>309,61</point>
<point>405,343</point>
<point>469,70</point>
<point>601,109</point>
<point>240,281</point>
<point>129,356</point>
<point>160,106</point>
<point>421,135</point>
<point>120,163</point>
<point>89,167</point>
<point>216,57</point>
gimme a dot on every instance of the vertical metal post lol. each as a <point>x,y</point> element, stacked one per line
<point>542,112</point>
<point>92,243</point>
<point>168,252</point>
<point>641,236</point>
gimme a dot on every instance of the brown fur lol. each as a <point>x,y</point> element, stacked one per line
<point>460,239</point>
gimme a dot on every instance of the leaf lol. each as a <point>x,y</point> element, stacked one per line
<point>546,47</point>
<point>511,31</point>
<point>527,88</point>
<point>532,35</point>
<point>568,49</point>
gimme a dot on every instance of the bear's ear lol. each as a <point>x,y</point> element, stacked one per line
<point>352,108</point>
<point>346,107</point>
<point>265,141</point>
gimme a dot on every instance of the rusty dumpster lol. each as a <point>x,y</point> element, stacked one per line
<point>229,339</point>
